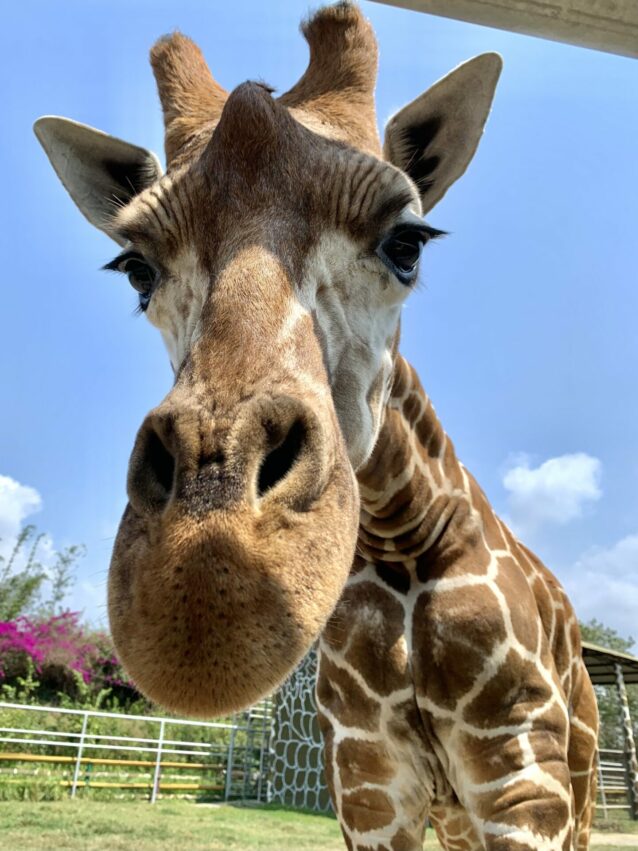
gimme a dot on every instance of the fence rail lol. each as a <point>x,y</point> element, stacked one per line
<point>613,786</point>
<point>271,753</point>
<point>232,758</point>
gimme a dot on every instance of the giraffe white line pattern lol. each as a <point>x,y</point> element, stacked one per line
<point>493,678</point>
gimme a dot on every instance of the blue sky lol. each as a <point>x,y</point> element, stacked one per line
<point>524,331</point>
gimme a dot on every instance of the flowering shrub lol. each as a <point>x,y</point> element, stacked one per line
<point>59,656</point>
<point>57,640</point>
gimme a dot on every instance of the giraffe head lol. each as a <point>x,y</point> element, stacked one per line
<point>274,256</point>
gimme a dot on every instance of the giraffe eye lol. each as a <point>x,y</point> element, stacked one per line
<point>143,277</point>
<point>401,250</point>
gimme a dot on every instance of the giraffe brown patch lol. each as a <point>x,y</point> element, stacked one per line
<point>548,730</point>
<point>394,574</point>
<point>544,602</point>
<point>406,724</point>
<point>581,787</point>
<point>562,650</point>
<point>402,506</point>
<point>413,407</point>
<point>583,698</point>
<point>454,633</point>
<point>526,804</point>
<point>327,734</point>
<point>412,541</point>
<point>337,630</point>
<point>453,828</point>
<point>493,534</point>
<point>487,760</point>
<point>401,378</point>
<point>460,550</point>
<point>507,698</point>
<point>338,692</point>
<point>367,809</point>
<point>580,756</point>
<point>362,762</point>
<point>358,565</point>
<point>388,459</point>
<point>520,601</point>
<point>405,841</point>
<point>429,433</point>
<point>574,635</point>
<point>370,619</point>
<point>506,843</point>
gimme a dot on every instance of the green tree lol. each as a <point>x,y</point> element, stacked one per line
<point>20,586</point>
<point>23,577</point>
<point>62,577</point>
<point>611,734</point>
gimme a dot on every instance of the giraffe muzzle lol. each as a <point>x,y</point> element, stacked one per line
<point>233,551</point>
<point>274,448</point>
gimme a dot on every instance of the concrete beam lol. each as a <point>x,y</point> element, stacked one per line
<point>609,25</point>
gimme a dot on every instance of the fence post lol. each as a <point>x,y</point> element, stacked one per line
<point>78,761</point>
<point>229,765</point>
<point>631,762</point>
<point>158,764</point>
<point>601,788</point>
<point>265,744</point>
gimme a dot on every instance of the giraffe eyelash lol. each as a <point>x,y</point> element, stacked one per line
<point>400,249</point>
<point>143,276</point>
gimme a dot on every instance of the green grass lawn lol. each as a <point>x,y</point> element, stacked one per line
<point>169,826</point>
<point>166,826</point>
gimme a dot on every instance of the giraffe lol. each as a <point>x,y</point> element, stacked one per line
<point>295,485</point>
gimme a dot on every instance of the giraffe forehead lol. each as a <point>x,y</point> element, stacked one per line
<point>326,185</point>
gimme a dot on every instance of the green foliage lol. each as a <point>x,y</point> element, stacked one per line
<point>43,786</point>
<point>605,636</point>
<point>22,584</point>
<point>23,688</point>
<point>28,689</point>
<point>611,732</point>
<point>62,577</point>
<point>19,589</point>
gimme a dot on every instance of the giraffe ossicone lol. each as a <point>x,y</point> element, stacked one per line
<point>296,485</point>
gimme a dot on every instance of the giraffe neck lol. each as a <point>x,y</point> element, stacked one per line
<point>450,672</point>
<point>413,484</point>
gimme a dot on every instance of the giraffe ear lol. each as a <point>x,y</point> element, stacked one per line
<point>434,138</point>
<point>100,173</point>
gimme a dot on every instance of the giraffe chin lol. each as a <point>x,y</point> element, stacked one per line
<point>211,614</point>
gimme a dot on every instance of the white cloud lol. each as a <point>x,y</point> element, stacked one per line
<point>17,502</point>
<point>603,584</point>
<point>555,492</point>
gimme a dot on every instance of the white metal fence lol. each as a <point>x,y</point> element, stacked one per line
<point>271,753</point>
<point>613,781</point>
<point>158,754</point>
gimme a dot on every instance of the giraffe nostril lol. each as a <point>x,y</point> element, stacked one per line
<point>161,463</point>
<point>152,472</point>
<point>280,460</point>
